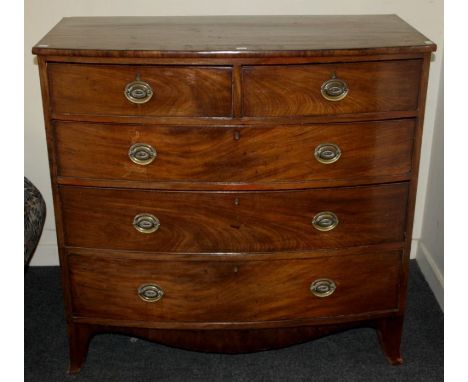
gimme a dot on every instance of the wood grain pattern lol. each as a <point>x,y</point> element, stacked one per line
<point>233,291</point>
<point>231,36</point>
<point>295,90</point>
<point>234,154</point>
<point>177,91</point>
<point>212,222</point>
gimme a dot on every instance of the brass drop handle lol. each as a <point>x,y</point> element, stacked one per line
<point>142,153</point>
<point>138,91</point>
<point>325,221</point>
<point>334,89</point>
<point>327,153</point>
<point>146,223</point>
<point>323,287</point>
<point>150,292</point>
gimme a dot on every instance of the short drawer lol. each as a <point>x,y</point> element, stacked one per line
<point>328,89</point>
<point>158,221</point>
<point>228,291</point>
<point>173,91</point>
<point>234,154</point>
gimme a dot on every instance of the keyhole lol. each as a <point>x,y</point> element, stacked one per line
<point>237,135</point>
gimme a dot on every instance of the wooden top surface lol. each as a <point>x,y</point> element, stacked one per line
<point>206,36</point>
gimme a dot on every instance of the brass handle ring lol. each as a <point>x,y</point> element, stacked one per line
<point>146,223</point>
<point>327,153</point>
<point>150,292</point>
<point>323,287</point>
<point>138,92</point>
<point>334,89</point>
<point>325,221</point>
<point>142,154</point>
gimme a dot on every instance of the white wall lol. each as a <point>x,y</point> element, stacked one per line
<point>42,15</point>
<point>430,246</point>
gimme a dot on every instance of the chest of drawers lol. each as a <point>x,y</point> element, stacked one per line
<point>233,184</point>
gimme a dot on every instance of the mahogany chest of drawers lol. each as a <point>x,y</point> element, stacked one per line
<point>233,184</point>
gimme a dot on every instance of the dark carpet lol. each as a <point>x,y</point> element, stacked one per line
<point>354,355</point>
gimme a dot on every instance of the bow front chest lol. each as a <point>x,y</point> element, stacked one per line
<point>233,184</point>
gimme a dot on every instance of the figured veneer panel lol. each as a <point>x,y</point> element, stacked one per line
<point>211,291</point>
<point>234,154</point>
<point>233,221</point>
<point>275,91</point>
<point>178,91</point>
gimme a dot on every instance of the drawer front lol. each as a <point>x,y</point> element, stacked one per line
<point>226,291</point>
<point>234,154</point>
<point>175,91</point>
<point>379,86</point>
<point>233,221</point>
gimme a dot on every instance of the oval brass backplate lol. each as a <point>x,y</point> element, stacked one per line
<point>334,89</point>
<point>327,153</point>
<point>323,287</point>
<point>325,221</point>
<point>150,292</point>
<point>142,154</point>
<point>138,92</point>
<point>146,223</point>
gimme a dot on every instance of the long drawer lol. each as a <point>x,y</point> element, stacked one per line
<point>219,222</point>
<point>337,88</point>
<point>227,291</point>
<point>234,154</point>
<point>175,91</point>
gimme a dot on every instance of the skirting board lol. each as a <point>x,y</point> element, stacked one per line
<point>46,253</point>
<point>431,272</point>
<point>414,247</point>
